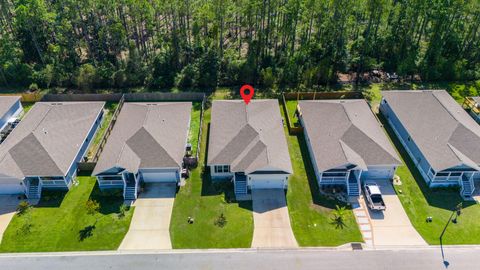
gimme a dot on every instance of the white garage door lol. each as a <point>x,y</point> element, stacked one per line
<point>159,177</point>
<point>266,181</point>
<point>377,173</point>
<point>11,189</point>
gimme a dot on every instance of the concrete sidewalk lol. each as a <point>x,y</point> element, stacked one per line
<point>271,220</point>
<point>150,224</point>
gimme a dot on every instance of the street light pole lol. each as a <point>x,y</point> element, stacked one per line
<point>456,212</point>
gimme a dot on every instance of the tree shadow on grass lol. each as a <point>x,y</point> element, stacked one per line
<point>86,232</point>
<point>445,198</point>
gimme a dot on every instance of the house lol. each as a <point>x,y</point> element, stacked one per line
<point>43,150</point>
<point>346,143</point>
<point>10,108</point>
<point>147,144</point>
<point>440,137</point>
<point>248,146</point>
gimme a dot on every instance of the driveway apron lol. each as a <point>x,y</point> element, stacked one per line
<point>150,224</point>
<point>271,220</point>
<point>392,226</point>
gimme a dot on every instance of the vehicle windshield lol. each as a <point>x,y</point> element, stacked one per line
<point>376,198</point>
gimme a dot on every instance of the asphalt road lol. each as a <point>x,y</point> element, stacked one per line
<point>418,259</point>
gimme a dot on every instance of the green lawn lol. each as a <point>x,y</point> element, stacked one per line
<point>60,222</point>
<point>109,108</point>
<point>311,213</point>
<point>419,202</point>
<point>205,201</point>
<point>195,126</point>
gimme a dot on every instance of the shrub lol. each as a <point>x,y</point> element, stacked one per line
<point>33,87</point>
<point>92,207</point>
<point>187,77</point>
<point>123,209</point>
<point>220,221</point>
<point>23,208</point>
<point>86,76</point>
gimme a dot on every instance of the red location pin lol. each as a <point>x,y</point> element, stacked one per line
<point>246,92</point>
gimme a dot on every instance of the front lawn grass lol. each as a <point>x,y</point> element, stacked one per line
<point>205,201</point>
<point>60,222</point>
<point>310,213</point>
<point>420,202</point>
<point>109,109</point>
<point>194,126</point>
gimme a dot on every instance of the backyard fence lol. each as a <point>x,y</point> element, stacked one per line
<point>129,97</point>
<point>27,97</point>
<point>108,131</point>
<point>199,141</point>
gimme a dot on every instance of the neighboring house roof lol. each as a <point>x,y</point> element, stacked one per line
<point>147,135</point>
<point>47,140</point>
<point>249,137</point>
<point>344,133</point>
<point>445,134</point>
<point>6,103</point>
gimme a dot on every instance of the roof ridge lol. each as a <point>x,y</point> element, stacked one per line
<point>375,142</point>
<point>445,107</point>
<point>461,156</point>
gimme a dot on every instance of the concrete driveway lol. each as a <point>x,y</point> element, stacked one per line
<point>8,205</point>
<point>392,226</point>
<point>271,220</point>
<point>150,224</point>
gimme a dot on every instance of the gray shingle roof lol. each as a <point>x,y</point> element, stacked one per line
<point>47,140</point>
<point>445,134</point>
<point>248,137</point>
<point>344,132</point>
<point>6,103</point>
<point>147,135</point>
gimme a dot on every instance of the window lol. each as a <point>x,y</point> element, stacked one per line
<point>221,168</point>
<point>442,174</point>
<point>455,174</point>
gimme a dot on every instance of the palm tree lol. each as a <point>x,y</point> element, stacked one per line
<point>339,217</point>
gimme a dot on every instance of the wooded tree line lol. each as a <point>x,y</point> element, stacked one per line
<point>202,43</point>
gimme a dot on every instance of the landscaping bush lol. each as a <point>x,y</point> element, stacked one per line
<point>23,207</point>
<point>220,221</point>
<point>123,209</point>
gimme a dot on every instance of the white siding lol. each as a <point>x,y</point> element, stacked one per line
<point>11,186</point>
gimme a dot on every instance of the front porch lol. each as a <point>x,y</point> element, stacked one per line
<point>126,181</point>
<point>348,179</point>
